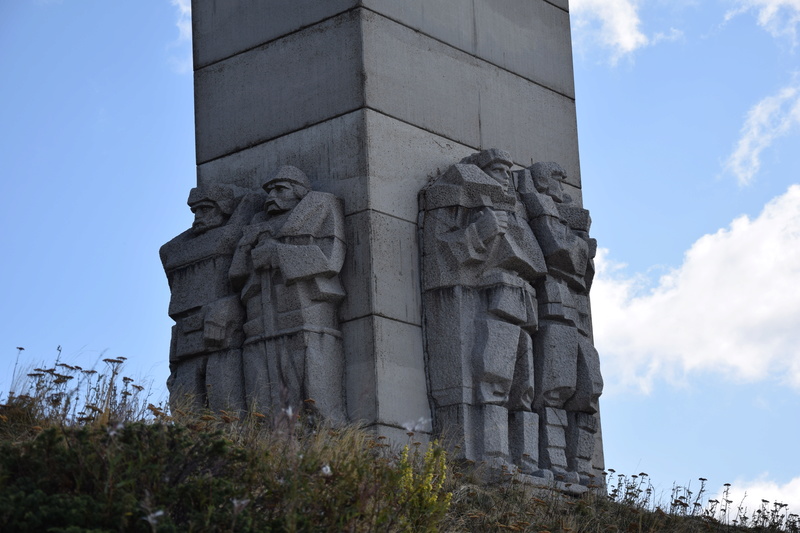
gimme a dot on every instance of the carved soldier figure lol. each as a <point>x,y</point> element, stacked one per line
<point>205,358</point>
<point>480,261</point>
<point>286,268</point>
<point>567,368</point>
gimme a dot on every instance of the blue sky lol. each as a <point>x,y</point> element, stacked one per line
<point>689,122</point>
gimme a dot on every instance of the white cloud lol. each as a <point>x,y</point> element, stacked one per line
<point>619,25</point>
<point>672,35</point>
<point>184,19</point>
<point>779,17</point>
<point>183,63</point>
<point>751,493</point>
<point>731,308</point>
<point>771,118</point>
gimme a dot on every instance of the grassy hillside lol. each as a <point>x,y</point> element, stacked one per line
<point>85,451</point>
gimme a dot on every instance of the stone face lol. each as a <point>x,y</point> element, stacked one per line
<point>507,266</point>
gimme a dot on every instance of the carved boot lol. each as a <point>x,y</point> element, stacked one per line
<point>523,440</point>
<point>580,445</point>
<point>553,445</point>
<point>494,438</point>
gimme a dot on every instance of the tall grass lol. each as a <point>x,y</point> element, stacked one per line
<point>86,451</point>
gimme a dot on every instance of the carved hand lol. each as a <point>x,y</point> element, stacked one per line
<point>491,223</point>
<point>253,234</point>
<point>502,221</point>
<point>264,255</point>
<point>214,334</point>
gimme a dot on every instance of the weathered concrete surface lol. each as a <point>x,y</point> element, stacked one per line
<point>427,83</point>
<point>529,38</point>
<point>465,99</point>
<point>332,153</point>
<point>223,28</point>
<point>383,269</point>
<point>300,80</point>
<point>387,351</point>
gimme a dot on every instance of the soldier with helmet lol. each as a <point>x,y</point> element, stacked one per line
<point>480,261</point>
<point>286,271</point>
<point>205,360</point>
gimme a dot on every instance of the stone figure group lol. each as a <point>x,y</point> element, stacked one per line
<point>507,264</point>
<point>255,291</point>
<point>506,269</point>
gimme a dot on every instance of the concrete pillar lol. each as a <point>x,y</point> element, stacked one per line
<point>371,98</point>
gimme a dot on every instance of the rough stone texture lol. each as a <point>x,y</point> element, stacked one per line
<point>255,296</point>
<point>286,269</point>
<point>205,357</point>
<point>480,259</point>
<point>568,379</point>
<point>507,266</point>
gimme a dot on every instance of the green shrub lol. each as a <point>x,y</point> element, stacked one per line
<point>138,476</point>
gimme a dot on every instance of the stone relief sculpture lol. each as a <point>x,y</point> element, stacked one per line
<point>255,293</point>
<point>507,264</point>
<point>205,358</point>
<point>286,271</point>
<point>567,369</point>
<point>480,261</point>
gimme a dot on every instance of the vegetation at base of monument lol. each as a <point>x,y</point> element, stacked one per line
<point>627,504</point>
<point>95,456</point>
<point>85,451</point>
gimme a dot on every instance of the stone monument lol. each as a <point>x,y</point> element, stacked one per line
<point>371,100</point>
